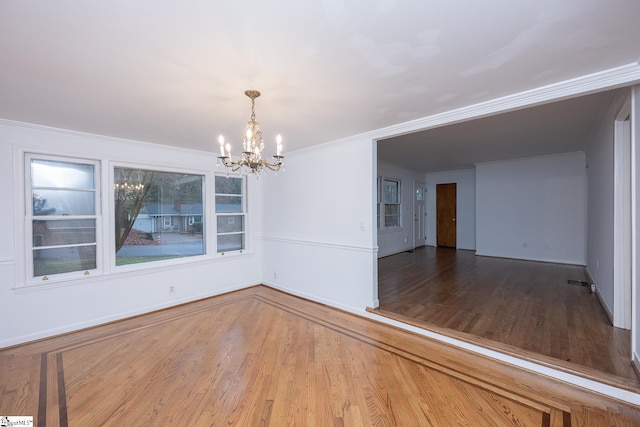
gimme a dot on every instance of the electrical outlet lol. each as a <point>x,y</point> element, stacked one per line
<point>171,289</point>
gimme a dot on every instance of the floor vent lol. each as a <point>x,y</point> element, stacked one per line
<point>580,283</point>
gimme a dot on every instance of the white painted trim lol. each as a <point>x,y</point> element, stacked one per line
<point>604,305</point>
<point>607,79</point>
<point>126,273</point>
<point>421,184</point>
<point>622,218</point>
<point>523,258</point>
<point>625,75</point>
<point>595,386</point>
<point>104,138</point>
<point>319,244</point>
<point>635,164</point>
<point>315,298</point>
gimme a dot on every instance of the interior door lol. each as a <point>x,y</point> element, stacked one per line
<point>446,215</point>
<point>418,215</point>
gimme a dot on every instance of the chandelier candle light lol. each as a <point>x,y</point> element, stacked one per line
<point>251,160</point>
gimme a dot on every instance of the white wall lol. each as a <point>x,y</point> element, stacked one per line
<point>34,312</point>
<point>319,225</point>
<point>396,240</point>
<point>532,208</point>
<point>600,200</point>
<point>465,206</point>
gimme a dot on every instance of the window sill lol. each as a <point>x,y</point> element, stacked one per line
<point>129,271</point>
<point>390,230</point>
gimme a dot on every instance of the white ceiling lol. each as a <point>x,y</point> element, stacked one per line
<point>174,72</point>
<point>558,127</point>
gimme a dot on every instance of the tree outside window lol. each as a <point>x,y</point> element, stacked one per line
<point>62,214</point>
<point>389,203</point>
<point>230,214</point>
<point>152,215</point>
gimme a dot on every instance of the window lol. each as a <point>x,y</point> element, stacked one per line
<point>230,214</point>
<point>389,207</point>
<point>379,199</point>
<point>62,216</point>
<point>152,211</point>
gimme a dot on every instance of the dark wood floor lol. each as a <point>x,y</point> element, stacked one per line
<point>259,357</point>
<point>521,307</point>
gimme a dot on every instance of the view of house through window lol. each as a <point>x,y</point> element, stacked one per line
<point>391,203</point>
<point>230,214</point>
<point>62,216</point>
<point>388,204</point>
<point>158,215</point>
<point>378,200</point>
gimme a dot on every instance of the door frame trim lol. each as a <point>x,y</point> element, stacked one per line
<point>419,184</point>
<point>622,218</point>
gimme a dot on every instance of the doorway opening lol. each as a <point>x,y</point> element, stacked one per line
<point>446,138</point>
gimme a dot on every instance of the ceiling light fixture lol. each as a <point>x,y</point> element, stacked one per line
<point>251,160</point>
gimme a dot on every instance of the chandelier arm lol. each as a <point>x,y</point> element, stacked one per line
<point>251,160</point>
<point>275,167</point>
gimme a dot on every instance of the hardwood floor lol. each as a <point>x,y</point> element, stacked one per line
<point>520,307</point>
<point>261,357</point>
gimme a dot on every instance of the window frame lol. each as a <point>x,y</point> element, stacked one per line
<point>28,217</point>
<point>382,203</point>
<point>105,220</point>
<point>244,213</point>
<point>156,264</point>
<point>379,201</point>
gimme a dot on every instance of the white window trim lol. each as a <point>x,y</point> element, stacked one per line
<point>26,216</point>
<point>105,222</point>
<point>110,262</point>
<point>381,206</point>
<point>244,214</point>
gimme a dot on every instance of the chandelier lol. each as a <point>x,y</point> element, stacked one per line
<point>130,186</point>
<point>251,160</point>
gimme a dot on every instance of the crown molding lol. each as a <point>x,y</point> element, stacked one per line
<point>11,124</point>
<point>604,80</point>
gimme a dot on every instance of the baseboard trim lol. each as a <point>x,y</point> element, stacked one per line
<point>605,307</point>
<point>635,363</point>
<point>549,260</point>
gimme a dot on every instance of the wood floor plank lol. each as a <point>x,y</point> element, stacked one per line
<point>522,304</point>
<point>261,357</point>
